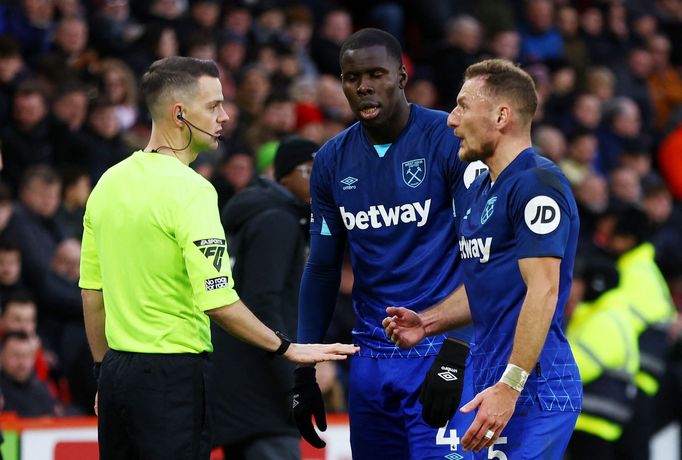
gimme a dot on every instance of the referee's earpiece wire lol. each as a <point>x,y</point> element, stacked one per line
<point>189,141</point>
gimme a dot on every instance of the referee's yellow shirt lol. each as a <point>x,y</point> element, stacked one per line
<point>153,243</point>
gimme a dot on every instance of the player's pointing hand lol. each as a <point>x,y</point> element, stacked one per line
<point>311,353</point>
<point>403,327</point>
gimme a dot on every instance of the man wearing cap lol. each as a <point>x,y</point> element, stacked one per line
<point>267,227</point>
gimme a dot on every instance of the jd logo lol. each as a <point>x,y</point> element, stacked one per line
<point>473,170</point>
<point>414,172</point>
<point>212,247</point>
<point>542,215</point>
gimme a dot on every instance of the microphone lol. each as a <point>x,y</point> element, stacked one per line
<point>182,118</point>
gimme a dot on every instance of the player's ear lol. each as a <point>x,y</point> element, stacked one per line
<point>503,115</point>
<point>402,77</point>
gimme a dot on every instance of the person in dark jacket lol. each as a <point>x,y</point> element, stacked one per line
<point>267,228</point>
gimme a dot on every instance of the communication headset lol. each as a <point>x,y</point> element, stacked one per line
<point>180,116</point>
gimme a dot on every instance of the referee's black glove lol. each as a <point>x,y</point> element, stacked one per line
<point>306,402</point>
<point>442,388</point>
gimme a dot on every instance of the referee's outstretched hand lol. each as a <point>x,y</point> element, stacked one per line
<point>311,353</point>
<point>403,327</point>
<point>307,402</point>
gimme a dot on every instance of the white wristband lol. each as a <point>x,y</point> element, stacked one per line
<point>515,377</point>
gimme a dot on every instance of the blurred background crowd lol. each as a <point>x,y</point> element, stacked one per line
<point>608,75</point>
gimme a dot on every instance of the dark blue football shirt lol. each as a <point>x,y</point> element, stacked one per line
<point>529,211</point>
<point>396,211</point>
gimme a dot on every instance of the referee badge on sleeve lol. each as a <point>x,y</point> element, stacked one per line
<point>212,248</point>
<point>215,283</point>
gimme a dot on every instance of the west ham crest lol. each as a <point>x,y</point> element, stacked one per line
<point>489,209</point>
<point>414,172</point>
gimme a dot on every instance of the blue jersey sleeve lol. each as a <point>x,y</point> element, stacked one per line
<point>324,218</point>
<point>541,214</point>
<point>319,287</point>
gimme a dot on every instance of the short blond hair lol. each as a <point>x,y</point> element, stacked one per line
<point>505,79</point>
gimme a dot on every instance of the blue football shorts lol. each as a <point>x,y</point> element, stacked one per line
<point>386,416</point>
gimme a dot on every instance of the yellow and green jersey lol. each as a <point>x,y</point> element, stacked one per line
<point>153,243</point>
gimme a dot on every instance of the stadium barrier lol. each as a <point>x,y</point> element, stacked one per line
<point>67,438</point>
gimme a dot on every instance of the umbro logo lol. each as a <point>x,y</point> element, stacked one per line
<point>454,456</point>
<point>348,183</point>
<point>447,376</point>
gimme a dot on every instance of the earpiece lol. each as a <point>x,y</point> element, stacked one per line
<point>180,116</point>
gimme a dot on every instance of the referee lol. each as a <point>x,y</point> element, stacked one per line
<point>154,268</point>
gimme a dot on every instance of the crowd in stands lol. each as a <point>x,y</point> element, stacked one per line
<point>607,72</point>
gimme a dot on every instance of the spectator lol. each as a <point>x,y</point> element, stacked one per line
<point>113,29</point>
<point>625,186</point>
<point>651,304</point>
<point>200,45</point>
<point>622,123</point>
<point>632,82</point>
<point>249,219</point>
<point>12,71</point>
<point>30,22</point>
<point>582,151</point>
<point>298,33</point>
<point>103,145</point>
<point>69,112</point>
<point>422,91</point>
<point>235,173</point>
<point>505,44</point>
<point>6,208</point>
<point>61,319</point>
<point>253,89</point>
<point>23,392</point>
<point>575,48</point>
<point>70,52</point>
<point>157,41</point>
<point>336,27</point>
<point>601,82</point>
<point>77,186</point>
<point>606,350</point>
<point>331,387</point>
<point>592,197</point>
<point>585,114</point>
<point>540,40</point>
<point>665,217</point>
<point>33,226</point>
<point>461,48</point>
<point>665,82</point>
<point>600,46</point>
<point>636,156</point>
<point>277,120</point>
<point>26,140</point>
<point>550,142</point>
<point>118,84</point>
<point>10,269</point>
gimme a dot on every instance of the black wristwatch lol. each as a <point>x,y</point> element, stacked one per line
<point>284,346</point>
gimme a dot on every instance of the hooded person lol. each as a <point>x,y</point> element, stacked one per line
<point>267,232</point>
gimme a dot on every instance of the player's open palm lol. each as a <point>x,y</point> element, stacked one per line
<point>311,353</point>
<point>403,327</point>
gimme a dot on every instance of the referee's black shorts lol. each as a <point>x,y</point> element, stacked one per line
<point>154,406</point>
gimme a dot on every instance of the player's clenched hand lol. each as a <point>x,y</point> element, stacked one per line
<point>311,353</point>
<point>495,405</point>
<point>403,327</point>
<point>307,402</point>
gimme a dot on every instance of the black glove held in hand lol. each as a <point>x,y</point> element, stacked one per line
<point>442,388</point>
<point>307,401</point>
